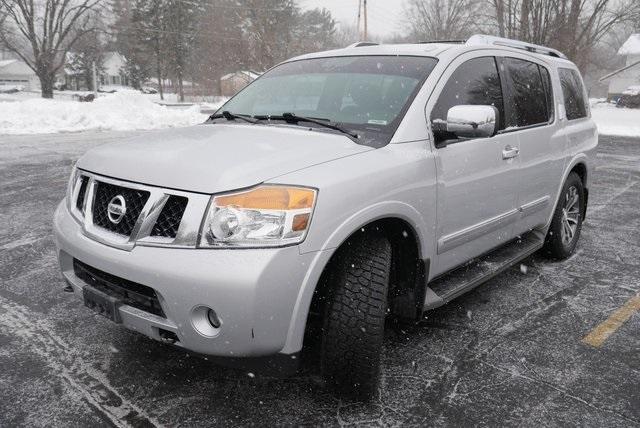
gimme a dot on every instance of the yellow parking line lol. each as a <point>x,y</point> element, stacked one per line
<point>598,335</point>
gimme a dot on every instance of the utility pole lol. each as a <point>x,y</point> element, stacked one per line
<point>359,11</point>
<point>365,20</point>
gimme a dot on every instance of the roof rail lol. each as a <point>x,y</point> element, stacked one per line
<point>424,42</point>
<point>362,44</point>
<point>481,39</point>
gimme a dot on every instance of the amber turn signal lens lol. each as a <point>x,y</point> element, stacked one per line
<point>300,222</point>
<point>270,198</point>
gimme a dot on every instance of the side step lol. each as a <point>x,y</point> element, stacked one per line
<point>468,276</point>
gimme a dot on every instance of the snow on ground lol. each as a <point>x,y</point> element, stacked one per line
<point>612,120</point>
<point>23,113</point>
<point>121,111</point>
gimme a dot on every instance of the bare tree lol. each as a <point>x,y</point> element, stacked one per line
<point>572,26</point>
<point>268,26</point>
<point>221,47</point>
<point>41,33</point>
<point>442,19</point>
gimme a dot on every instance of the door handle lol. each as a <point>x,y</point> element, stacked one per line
<point>510,152</point>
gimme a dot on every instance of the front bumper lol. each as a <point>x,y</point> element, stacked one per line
<point>254,291</point>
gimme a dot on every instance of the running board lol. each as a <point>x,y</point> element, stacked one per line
<point>467,277</point>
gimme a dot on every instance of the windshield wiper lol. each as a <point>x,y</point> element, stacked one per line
<point>231,116</point>
<point>293,118</point>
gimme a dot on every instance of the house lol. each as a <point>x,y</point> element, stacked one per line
<point>110,73</point>
<point>16,73</point>
<point>113,70</point>
<point>231,83</point>
<point>629,75</point>
<point>7,54</point>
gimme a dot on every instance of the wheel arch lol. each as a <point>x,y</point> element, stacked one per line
<point>580,168</point>
<point>391,219</point>
<point>580,165</point>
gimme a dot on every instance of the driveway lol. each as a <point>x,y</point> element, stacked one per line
<point>509,353</point>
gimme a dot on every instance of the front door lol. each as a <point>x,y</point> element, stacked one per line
<point>477,178</point>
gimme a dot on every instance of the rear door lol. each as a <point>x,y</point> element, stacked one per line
<point>530,117</point>
<point>477,184</point>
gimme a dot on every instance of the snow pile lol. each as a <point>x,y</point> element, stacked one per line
<point>126,110</point>
<point>612,120</point>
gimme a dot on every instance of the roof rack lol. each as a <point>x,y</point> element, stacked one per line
<point>362,44</point>
<point>481,39</point>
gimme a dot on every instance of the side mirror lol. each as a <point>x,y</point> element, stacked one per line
<point>472,121</point>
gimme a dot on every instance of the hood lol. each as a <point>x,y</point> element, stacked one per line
<point>216,157</point>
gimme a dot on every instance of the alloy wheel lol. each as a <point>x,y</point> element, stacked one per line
<point>570,216</point>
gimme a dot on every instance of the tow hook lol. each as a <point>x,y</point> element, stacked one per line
<point>167,336</point>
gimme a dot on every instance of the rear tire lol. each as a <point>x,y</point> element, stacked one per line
<point>354,319</point>
<point>564,232</point>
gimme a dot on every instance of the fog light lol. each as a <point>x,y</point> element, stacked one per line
<point>213,318</point>
<point>205,321</point>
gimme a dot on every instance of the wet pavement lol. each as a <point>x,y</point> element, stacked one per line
<point>508,353</point>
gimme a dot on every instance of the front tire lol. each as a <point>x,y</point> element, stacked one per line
<point>355,313</point>
<point>562,237</point>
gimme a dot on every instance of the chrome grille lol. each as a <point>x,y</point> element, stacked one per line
<point>169,219</point>
<point>84,181</point>
<point>140,214</point>
<point>135,200</point>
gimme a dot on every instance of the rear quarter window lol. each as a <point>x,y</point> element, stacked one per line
<point>548,88</point>
<point>573,94</point>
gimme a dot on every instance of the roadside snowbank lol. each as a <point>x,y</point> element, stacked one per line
<point>611,120</point>
<point>127,110</point>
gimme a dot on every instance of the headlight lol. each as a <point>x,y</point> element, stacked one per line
<point>261,217</point>
<point>71,184</point>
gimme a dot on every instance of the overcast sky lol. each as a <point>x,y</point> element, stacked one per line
<point>384,16</point>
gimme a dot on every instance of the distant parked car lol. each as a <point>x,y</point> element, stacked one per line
<point>148,90</point>
<point>630,98</point>
<point>86,98</point>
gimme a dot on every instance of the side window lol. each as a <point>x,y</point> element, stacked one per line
<point>526,97</point>
<point>475,82</point>
<point>548,89</point>
<point>573,92</point>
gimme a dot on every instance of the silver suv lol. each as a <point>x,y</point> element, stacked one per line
<point>346,187</point>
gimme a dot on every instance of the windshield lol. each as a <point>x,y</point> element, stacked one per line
<point>366,94</point>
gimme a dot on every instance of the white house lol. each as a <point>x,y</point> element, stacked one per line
<point>629,75</point>
<point>7,54</point>
<point>113,70</point>
<point>14,72</point>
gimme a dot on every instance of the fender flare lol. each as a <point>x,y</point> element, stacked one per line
<point>577,159</point>
<point>355,222</point>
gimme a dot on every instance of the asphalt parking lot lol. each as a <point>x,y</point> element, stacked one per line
<point>512,352</point>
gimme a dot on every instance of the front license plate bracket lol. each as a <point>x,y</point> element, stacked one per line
<point>102,303</point>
